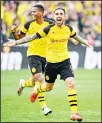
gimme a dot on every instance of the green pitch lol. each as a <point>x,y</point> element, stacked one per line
<point>16,108</point>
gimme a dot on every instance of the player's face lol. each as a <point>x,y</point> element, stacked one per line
<point>36,13</point>
<point>59,17</point>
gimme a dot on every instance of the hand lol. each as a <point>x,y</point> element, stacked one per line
<point>13,28</point>
<point>75,42</point>
<point>89,45</point>
<point>86,42</point>
<point>10,43</point>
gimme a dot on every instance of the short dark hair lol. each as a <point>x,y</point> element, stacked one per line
<point>40,7</point>
<point>61,9</point>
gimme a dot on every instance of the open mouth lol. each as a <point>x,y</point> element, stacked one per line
<point>59,20</point>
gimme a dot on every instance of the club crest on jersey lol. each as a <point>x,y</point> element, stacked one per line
<point>33,70</point>
<point>47,77</point>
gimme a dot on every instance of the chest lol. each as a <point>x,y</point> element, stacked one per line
<point>34,27</point>
<point>59,35</point>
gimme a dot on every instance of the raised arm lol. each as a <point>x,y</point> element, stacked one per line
<point>17,34</point>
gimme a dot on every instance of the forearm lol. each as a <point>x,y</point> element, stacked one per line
<point>26,39</point>
<point>80,39</point>
<point>72,40</point>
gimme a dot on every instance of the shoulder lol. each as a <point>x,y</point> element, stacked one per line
<point>50,21</point>
<point>71,29</point>
<point>50,25</point>
<point>27,24</point>
<point>47,29</point>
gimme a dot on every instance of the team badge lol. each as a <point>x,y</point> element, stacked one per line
<point>33,69</point>
<point>47,77</point>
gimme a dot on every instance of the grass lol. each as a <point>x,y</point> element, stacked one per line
<point>16,108</point>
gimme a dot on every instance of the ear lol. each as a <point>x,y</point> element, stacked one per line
<point>65,16</point>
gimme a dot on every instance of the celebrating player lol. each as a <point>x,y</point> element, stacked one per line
<point>36,52</point>
<point>57,57</point>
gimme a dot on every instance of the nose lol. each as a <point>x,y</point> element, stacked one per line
<point>59,16</point>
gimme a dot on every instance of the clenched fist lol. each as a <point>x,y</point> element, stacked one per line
<point>13,28</point>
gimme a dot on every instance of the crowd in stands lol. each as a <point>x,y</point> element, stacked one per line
<point>83,16</point>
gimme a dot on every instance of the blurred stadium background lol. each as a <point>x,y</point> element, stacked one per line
<point>85,18</point>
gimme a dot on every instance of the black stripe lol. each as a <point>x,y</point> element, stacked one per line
<point>73,35</point>
<point>73,105</point>
<point>73,101</point>
<point>41,100</point>
<point>50,21</point>
<point>71,29</point>
<point>38,35</point>
<point>40,97</point>
<point>72,95</point>
<point>27,24</point>
<point>22,33</point>
<point>47,29</point>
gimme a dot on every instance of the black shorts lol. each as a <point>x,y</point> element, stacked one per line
<point>37,64</point>
<point>63,68</point>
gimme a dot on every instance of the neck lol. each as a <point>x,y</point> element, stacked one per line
<point>40,20</point>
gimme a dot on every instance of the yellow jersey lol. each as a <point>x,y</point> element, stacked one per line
<point>57,42</point>
<point>37,47</point>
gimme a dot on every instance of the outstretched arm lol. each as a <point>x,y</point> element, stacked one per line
<point>73,41</point>
<point>41,33</point>
<point>81,40</point>
<point>26,39</point>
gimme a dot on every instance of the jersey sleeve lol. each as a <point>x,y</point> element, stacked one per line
<point>25,27</point>
<point>43,32</point>
<point>50,21</point>
<point>72,32</point>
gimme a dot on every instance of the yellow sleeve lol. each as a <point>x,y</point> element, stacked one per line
<point>73,33</point>
<point>44,32</point>
<point>41,33</point>
<point>26,27</point>
<point>24,30</point>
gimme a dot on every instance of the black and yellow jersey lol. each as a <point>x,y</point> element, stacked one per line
<point>57,42</point>
<point>37,47</point>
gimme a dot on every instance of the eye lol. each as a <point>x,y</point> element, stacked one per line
<point>61,13</point>
<point>56,13</point>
